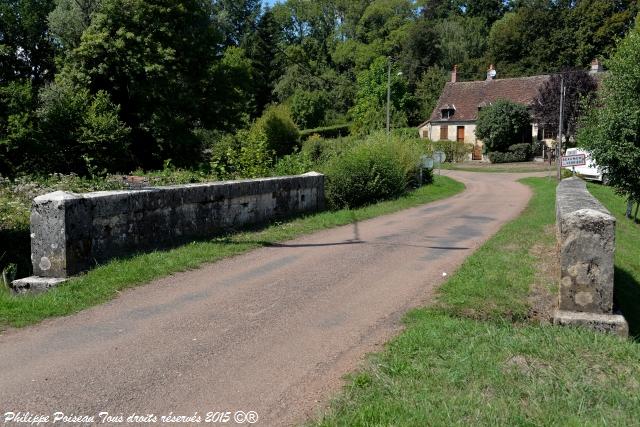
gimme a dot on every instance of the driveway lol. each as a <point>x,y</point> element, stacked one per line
<point>271,331</point>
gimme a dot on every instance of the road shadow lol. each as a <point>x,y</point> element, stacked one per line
<point>626,295</point>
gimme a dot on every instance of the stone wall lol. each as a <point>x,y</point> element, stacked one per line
<point>71,233</point>
<point>586,236</point>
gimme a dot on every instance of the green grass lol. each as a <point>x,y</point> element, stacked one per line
<point>476,359</point>
<point>494,282</point>
<point>627,274</point>
<point>501,168</point>
<point>104,282</point>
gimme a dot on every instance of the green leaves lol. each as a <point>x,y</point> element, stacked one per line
<point>610,131</point>
<point>368,113</point>
<point>502,124</point>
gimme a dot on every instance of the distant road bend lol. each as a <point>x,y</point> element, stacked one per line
<point>270,331</point>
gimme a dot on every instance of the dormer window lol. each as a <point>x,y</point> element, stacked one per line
<point>447,111</point>
<point>482,105</point>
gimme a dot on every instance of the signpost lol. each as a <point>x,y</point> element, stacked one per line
<point>438,158</point>
<point>574,160</point>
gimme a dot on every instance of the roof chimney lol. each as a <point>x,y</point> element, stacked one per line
<point>491,73</point>
<point>596,67</point>
<point>454,74</point>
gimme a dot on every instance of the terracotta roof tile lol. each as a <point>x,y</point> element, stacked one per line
<point>468,96</point>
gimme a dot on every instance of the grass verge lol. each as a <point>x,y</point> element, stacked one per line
<point>627,273</point>
<point>104,282</point>
<point>502,167</point>
<point>476,358</point>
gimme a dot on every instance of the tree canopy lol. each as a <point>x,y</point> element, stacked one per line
<point>611,132</point>
<point>580,88</point>
<point>155,79</point>
<point>502,124</point>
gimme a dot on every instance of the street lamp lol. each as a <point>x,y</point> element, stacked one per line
<point>389,97</point>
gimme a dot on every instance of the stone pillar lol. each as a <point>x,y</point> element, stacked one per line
<point>48,234</point>
<point>586,236</point>
<point>586,261</point>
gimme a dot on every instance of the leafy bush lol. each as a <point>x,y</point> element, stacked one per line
<point>454,150</point>
<point>366,174</point>
<point>277,130</point>
<point>80,133</point>
<point>320,149</point>
<point>372,170</point>
<point>308,108</point>
<point>515,153</point>
<point>502,124</point>
<point>293,164</point>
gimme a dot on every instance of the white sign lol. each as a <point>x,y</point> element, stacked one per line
<point>439,157</point>
<point>574,160</point>
<point>427,162</point>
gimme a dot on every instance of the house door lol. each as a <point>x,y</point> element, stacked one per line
<point>460,135</point>
<point>477,152</point>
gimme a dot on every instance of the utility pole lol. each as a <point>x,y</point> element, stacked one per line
<point>389,99</point>
<point>560,129</point>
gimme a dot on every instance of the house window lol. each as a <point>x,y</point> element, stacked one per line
<point>444,132</point>
<point>447,113</point>
<point>460,134</point>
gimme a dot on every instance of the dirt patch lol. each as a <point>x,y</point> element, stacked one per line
<point>525,365</point>
<point>543,293</point>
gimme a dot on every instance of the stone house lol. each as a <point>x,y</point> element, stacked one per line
<point>454,117</point>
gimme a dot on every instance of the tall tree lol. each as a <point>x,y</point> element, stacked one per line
<point>611,132</point>
<point>154,58</point>
<point>26,51</point>
<point>264,50</point>
<point>237,19</point>
<point>598,24</point>
<point>69,19</point>
<point>419,50</point>
<point>580,88</point>
<point>368,113</point>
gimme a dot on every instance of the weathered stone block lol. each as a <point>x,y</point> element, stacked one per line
<point>586,232</point>
<point>35,284</point>
<point>609,323</point>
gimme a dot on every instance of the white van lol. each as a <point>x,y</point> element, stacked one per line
<point>590,171</point>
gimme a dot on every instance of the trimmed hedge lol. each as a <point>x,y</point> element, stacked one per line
<point>327,131</point>
<point>516,153</point>
<point>455,151</point>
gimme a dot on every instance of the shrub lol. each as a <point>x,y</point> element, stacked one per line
<point>408,150</point>
<point>515,153</point>
<point>276,127</point>
<point>365,174</point>
<point>293,164</point>
<point>307,108</point>
<point>372,170</point>
<point>523,151</point>
<point>321,149</point>
<point>255,156</point>
<point>80,132</point>
<point>502,124</point>
<point>243,155</point>
<point>454,150</point>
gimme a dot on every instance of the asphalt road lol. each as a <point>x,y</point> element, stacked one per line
<point>271,331</point>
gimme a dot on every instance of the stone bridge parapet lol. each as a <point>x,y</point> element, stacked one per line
<point>71,233</point>
<point>586,237</point>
